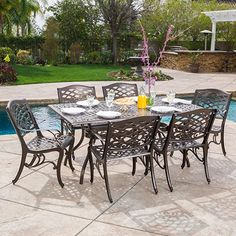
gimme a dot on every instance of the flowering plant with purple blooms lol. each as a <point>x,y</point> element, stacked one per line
<point>7,73</point>
<point>148,73</point>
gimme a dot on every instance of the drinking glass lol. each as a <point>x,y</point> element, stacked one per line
<point>109,102</point>
<point>171,97</point>
<point>153,97</point>
<point>90,99</point>
<point>111,95</point>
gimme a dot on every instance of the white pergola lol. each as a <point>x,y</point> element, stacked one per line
<point>219,16</point>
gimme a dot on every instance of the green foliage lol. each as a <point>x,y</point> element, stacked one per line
<point>23,57</point>
<point>4,51</point>
<point>51,43</point>
<point>131,75</point>
<point>75,52</point>
<point>106,57</point>
<point>32,43</point>
<point>7,73</point>
<point>79,22</point>
<point>94,57</point>
<point>188,19</point>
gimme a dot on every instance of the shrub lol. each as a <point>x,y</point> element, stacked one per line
<point>94,57</point>
<point>4,51</point>
<point>7,73</point>
<point>106,57</point>
<point>23,57</point>
<point>75,51</point>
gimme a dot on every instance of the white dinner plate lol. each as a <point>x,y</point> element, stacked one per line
<point>72,110</point>
<point>85,103</point>
<point>108,114</point>
<point>177,100</point>
<point>165,109</point>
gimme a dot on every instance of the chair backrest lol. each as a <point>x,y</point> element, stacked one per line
<point>74,93</point>
<point>190,126</point>
<point>131,135</point>
<point>22,118</point>
<point>121,90</point>
<point>214,99</point>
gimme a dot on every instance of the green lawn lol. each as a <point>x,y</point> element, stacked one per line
<point>64,73</point>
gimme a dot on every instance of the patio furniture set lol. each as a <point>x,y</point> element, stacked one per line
<point>137,134</point>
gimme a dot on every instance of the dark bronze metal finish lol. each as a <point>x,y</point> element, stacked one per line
<point>121,90</point>
<point>124,139</point>
<point>215,99</point>
<point>24,122</point>
<point>73,94</point>
<point>187,131</point>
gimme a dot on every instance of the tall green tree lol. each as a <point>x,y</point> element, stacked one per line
<point>79,22</point>
<point>117,14</point>
<point>5,8</point>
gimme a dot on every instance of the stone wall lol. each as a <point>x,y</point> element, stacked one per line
<point>218,61</point>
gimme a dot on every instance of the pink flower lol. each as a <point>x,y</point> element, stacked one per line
<point>148,73</point>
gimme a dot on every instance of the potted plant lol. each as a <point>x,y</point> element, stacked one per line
<point>194,65</point>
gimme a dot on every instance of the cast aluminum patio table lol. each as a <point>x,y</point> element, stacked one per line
<point>90,117</point>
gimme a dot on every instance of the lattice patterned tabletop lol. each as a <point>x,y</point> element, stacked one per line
<point>90,117</point>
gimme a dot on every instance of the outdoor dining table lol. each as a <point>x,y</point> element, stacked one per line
<point>131,111</point>
<point>89,117</point>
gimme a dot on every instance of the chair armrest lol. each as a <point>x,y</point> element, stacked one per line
<point>96,135</point>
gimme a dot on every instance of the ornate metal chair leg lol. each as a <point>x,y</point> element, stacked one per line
<point>184,158</point>
<point>154,184</point>
<point>61,154</point>
<point>69,155</point>
<point>107,182</point>
<point>91,165</point>
<point>166,167</point>
<point>222,141</point>
<point>147,166</point>
<point>187,161</point>
<point>134,165</point>
<point>22,164</point>
<point>205,163</point>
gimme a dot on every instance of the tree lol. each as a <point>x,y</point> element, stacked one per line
<point>18,13</point>
<point>51,44</point>
<point>5,7</point>
<point>79,23</point>
<point>117,14</point>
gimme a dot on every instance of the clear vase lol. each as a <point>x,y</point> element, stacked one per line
<point>150,90</point>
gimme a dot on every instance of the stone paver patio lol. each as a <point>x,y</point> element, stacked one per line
<point>37,205</point>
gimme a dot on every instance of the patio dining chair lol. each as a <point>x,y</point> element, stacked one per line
<point>24,123</point>
<point>121,90</point>
<point>129,138</point>
<point>186,132</point>
<point>215,99</point>
<point>73,94</point>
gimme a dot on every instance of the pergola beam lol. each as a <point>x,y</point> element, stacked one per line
<point>219,16</point>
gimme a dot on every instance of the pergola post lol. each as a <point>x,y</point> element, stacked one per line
<point>213,36</point>
<point>219,16</point>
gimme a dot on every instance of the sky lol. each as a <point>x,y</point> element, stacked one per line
<point>40,19</point>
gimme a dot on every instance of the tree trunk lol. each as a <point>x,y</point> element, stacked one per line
<point>114,48</point>
<point>17,30</point>
<point>1,24</point>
